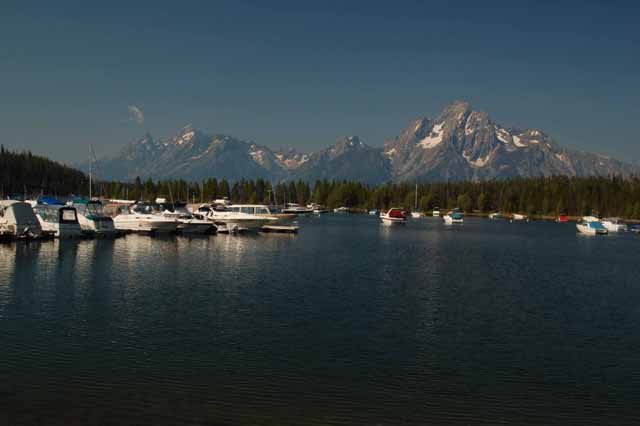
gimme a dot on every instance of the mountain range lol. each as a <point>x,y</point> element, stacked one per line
<point>460,144</point>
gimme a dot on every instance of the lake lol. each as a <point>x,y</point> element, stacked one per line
<point>348,322</point>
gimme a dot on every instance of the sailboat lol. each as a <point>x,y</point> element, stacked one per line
<point>415,213</point>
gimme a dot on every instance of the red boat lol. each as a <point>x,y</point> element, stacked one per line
<point>394,216</point>
<point>562,218</point>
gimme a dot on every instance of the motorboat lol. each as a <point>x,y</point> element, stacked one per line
<point>394,216</point>
<point>143,217</point>
<point>563,218</point>
<point>264,211</point>
<point>18,220</point>
<point>293,208</point>
<point>417,215</point>
<point>591,225</point>
<point>497,215</point>
<point>232,221</point>
<point>92,218</point>
<point>435,212</point>
<point>454,216</point>
<point>519,217</point>
<point>317,208</point>
<point>614,224</point>
<point>57,218</point>
<point>374,212</point>
<point>342,209</point>
<point>187,223</point>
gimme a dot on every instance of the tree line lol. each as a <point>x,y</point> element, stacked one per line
<point>552,196</point>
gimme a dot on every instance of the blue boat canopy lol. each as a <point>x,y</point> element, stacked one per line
<point>50,201</point>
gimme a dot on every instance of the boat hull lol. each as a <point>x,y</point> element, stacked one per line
<point>587,230</point>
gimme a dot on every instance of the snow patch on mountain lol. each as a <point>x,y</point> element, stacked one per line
<point>434,138</point>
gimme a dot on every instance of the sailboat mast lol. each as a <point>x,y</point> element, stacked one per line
<point>415,205</point>
<point>90,172</point>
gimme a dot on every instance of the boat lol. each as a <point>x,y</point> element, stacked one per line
<point>519,217</point>
<point>415,214</point>
<point>394,216</point>
<point>563,218</point>
<point>374,212</point>
<point>293,208</point>
<point>591,225</point>
<point>264,211</point>
<point>232,221</point>
<point>454,216</point>
<point>18,221</point>
<point>187,223</point>
<point>92,218</point>
<point>317,208</point>
<point>57,218</point>
<point>143,217</point>
<point>614,224</point>
<point>342,210</point>
<point>436,212</point>
<point>497,215</point>
<point>634,227</point>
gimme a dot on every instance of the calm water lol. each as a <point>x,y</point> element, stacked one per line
<point>348,322</point>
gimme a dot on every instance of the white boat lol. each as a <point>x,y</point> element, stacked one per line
<point>187,223</point>
<point>143,217</point>
<point>57,218</point>
<point>591,225</point>
<point>614,224</point>
<point>264,211</point>
<point>232,221</point>
<point>394,216</point>
<point>415,214</point>
<point>92,218</point>
<point>519,217</point>
<point>454,216</point>
<point>497,215</point>
<point>317,208</point>
<point>436,212</point>
<point>18,220</point>
<point>374,212</point>
<point>342,210</point>
<point>293,208</point>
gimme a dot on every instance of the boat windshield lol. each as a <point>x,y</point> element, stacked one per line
<point>91,209</point>
<point>48,213</point>
<point>144,208</point>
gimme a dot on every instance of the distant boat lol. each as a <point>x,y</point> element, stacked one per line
<point>342,210</point>
<point>415,213</point>
<point>374,212</point>
<point>614,224</point>
<point>563,218</point>
<point>232,221</point>
<point>57,218</point>
<point>591,225</point>
<point>18,220</point>
<point>296,209</point>
<point>264,211</point>
<point>454,216</point>
<point>436,212</point>
<point>519,217</point>
<point>394,216</point>
<point>317,208</point>
<point>497,215</point>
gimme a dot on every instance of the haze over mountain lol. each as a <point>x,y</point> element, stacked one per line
<point>460,144</point>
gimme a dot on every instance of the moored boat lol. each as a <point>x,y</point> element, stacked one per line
<point>614,224</point>
<point>18,221</point>
<point>393,216</point>
<point>342,209</point>
<point>294,208</point>
<point>143,217</point>
<point>187,223</point>
<point>92,219</point>
<point>497,215</point>
<point>435,212</point>
<point>57,218</point>
<point>591,225</point>
<point>232,221</point>
<point>563,218</point>
<point>454,216</point>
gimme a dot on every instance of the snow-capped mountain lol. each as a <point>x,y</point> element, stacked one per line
<point>460,144</point>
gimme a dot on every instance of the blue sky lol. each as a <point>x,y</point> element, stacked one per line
<point>303,74</point>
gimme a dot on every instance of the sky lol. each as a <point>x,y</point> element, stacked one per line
<point>303,74</point>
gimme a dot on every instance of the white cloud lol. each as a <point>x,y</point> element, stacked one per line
<point>136,114</point>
